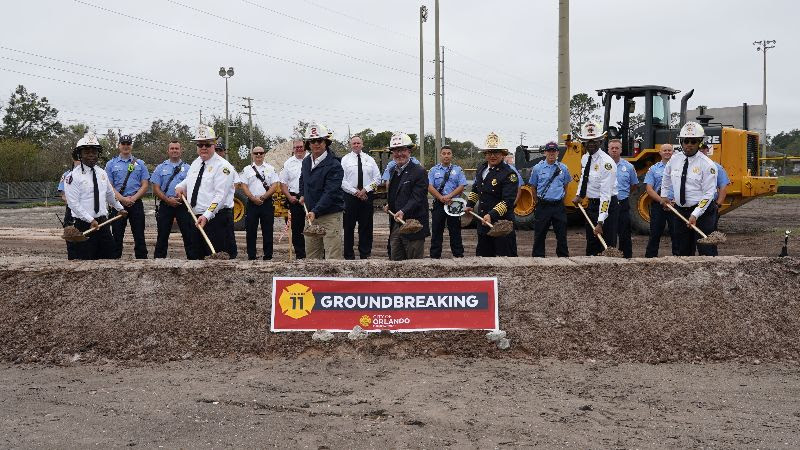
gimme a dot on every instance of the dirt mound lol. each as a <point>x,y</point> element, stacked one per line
<point>669,309</point>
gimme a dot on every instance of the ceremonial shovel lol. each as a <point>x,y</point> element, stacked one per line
<point>407,226</point>
<point>312,230</point>
<point>72,234</point>
<point>501,228</point>
<point>214,254</point>
<point>712,239</point>
<point>609,251</point>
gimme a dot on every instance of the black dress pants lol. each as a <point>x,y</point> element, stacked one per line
<point>98,245</point>
<point>264,215</point>
<point>136,218</point>
<point>550,213</point>
<point>440,219</point>
<point>217,231</point>
<point>358,212</point>
<point>593,245</point>
<point>298,223</point>
<point>166,215</point>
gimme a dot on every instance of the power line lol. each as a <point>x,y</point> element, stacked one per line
<point>255,52</point>
<point>330,30</point>
<point>493,83</point>
<point>505,101</point>
<point>297,41</point>
<point>493,68</point>
<point>499,112</point>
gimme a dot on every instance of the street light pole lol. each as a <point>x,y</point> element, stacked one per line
<point>437,82</point>
<point>226,74</point>
<point>423,17</point>
<point>763,46</point>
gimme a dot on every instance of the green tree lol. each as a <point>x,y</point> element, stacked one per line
<point>787,142</point>
<point>582,108</point>
<point>239,135</point>
<point>30,117</point>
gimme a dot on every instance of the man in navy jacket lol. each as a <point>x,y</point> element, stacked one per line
<point>408,199</point>
<point>321,192</point>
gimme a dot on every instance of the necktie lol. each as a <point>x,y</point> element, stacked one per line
<point>360,184</point>
<point>197,184</point>
<point>682,199</point>
<point>96,192</point>
<point>585,183</point>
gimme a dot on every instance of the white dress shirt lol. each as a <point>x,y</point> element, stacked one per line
<point>372,174</point>
<point>701,181</point>
<point>255,185</point>
<point>79,190</point>
<point>602,180</point>
<point>290,175</point>
<point>215,188</point>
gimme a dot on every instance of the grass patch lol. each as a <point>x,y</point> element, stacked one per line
<point>32,205</point>
<point>789,180</point>
<point>784,196</point>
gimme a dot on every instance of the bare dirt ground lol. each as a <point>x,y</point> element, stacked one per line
<point>755,229</point>
<point>672,352</point>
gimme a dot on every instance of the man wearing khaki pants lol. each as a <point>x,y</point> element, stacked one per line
<point>321,192</point>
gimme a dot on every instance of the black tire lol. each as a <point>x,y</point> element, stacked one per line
<point>640,210</point>
<point>239,210</point>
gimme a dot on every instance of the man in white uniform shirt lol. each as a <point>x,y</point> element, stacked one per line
<point>689,183</point>
<point>361,177</point>
<point>598,182</point>
<point>290,186</point>
<point>259,182</point>
<point>207,184</point>
<point>88,192</point>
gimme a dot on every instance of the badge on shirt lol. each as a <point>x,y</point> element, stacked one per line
<point>596,167</point>
<point>131,166</point>
<point>453,172</point>
<point>695,170</point>
<point>494,181</point>
<point>624,169</point>
<point>608,166</point>
<point>183,168</point>
<point>513,178</point>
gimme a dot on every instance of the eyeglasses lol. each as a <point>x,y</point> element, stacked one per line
<point>298,147</point>
<point>258,153</point>
<point>316,141</point>
<point>204,145</point>
<point>692,141</point>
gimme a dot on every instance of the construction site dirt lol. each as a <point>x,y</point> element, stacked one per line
<point>605,352</point>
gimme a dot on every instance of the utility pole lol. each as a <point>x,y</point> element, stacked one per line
<point>763,46</point>
<point>521,137</point>
<point>226,74</point>
<point>563,68</point>
<point>444,135</point>
<point>249,107</point>
<point>437,83</point>
<point>201,116</point>
<point>423,17</point>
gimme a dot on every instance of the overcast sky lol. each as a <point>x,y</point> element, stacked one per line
<point>355,63</point>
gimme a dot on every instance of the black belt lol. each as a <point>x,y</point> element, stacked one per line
<point>542,201</point>
<point>597,200</point>
<point>100,219</point>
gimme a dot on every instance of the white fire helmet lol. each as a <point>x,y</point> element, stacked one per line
<point>590,131</point>
<point>400,140</point>
<point>88,140</point>
<point>692,130</point>
<point>315,131</point>
<point>494,144</point>
<point>205,133</point>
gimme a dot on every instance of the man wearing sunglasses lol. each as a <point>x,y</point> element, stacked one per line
<point>259,182</point>
<point>321,191</point>
<point>689,183</point>
<point>290,186</point>
<point>208,183</point>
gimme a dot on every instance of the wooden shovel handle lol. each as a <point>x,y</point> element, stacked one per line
<point>482,220</point>
<point>92,230</point>
<point>694,227</point>
<point>305,208</point>
<point>599,236</point>
<point>389,211</point>
<point>202,231</point>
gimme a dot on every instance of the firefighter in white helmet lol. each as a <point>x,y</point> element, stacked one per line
<point>321,191</point>
<point>689,183</point>
<point>407,199</point>
<point>598,182</point>
<point>206,186</point>
<point>89,192</point>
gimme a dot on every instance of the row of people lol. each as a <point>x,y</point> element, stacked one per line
<point>338,193</point>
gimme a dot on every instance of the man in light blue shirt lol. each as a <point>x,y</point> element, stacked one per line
<point>165,177</point>
<point>549,180</point>
<point>659,218</point>
<point>445,182</point>
<point>627,180</point>
<point>129,176</point>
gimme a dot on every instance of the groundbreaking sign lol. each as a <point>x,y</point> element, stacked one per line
<point>374,304</point>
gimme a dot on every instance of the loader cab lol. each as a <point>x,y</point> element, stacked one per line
<point>646,129</point>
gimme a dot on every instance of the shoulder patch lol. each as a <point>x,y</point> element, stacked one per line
<point>512,178</point>
<point>607,166</point>
<point>713,171</point>
<point>69,179</point>
<point>226,171</point>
